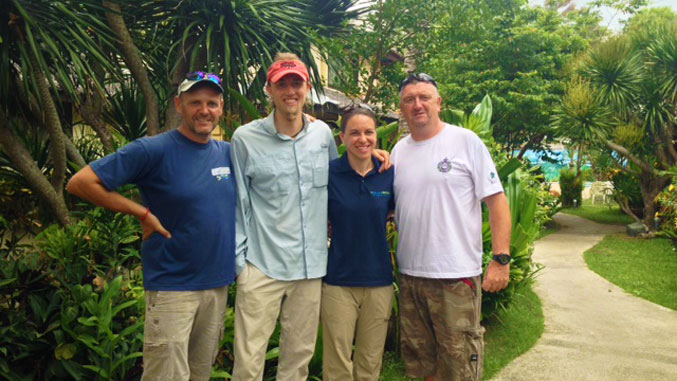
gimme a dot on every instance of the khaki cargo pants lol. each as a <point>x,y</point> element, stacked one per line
<point>182,333</point>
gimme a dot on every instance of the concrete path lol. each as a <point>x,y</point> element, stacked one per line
<point>593,329</point>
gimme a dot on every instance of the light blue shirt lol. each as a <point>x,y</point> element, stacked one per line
<point>282,198</point>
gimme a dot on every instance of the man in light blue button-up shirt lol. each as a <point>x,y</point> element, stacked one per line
<point>281,168</point>
<point>283,198</point>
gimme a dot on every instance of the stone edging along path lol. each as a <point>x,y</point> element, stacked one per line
<point>593,329</point>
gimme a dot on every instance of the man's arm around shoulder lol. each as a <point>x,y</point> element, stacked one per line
<point>88,186</point>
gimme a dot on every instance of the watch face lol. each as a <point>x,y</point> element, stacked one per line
<point>503,259</point>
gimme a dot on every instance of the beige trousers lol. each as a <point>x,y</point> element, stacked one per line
<point>182,333</point>
<point>259,301</point>
<point>359,313</point>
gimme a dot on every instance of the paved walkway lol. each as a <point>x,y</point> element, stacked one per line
<point>593,329</point>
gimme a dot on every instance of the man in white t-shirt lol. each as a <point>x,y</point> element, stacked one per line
<point>442,175</point>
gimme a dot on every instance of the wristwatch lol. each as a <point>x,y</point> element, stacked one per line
<point>503,259</point>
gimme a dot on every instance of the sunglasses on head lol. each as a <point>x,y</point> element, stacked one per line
<point>355,106</point>
<point>417,77</point>
<point>199,75</point>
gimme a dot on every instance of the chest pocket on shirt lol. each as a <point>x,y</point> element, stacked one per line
<point>273,174</point>
<point>320,168</point>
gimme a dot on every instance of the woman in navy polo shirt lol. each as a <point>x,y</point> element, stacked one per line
<point>357,292</point>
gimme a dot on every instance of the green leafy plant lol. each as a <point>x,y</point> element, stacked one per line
<point>106,326</point>
<point>627,193</point>
<point>571,186</point>
<point>525,227</point>
<point>71,302</point>
<point>667,212</point>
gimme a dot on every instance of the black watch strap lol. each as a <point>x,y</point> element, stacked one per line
<point>503,259</point>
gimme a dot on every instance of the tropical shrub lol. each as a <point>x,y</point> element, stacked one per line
<point>526,224</point>
<point>72,301</point>
<point>571,186</point>
<point>667,212</point>
<point>627,192</point>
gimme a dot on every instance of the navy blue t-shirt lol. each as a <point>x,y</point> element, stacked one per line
<point>191,189</point>
<point>358,209</point>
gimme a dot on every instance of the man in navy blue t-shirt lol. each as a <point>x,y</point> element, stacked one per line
<point>188,223</point>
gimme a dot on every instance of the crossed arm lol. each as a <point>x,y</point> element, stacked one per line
<point>88,186</point>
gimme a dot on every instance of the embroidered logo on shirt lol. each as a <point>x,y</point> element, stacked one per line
<point>444,166</point>
<point>380,194</point>
<point>492,177</point>
<point>221,173</point>
<point>324,145</point>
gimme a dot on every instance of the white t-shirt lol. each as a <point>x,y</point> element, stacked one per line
<point>439,185</point>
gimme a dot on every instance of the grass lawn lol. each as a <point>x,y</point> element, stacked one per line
<point>643,267</point>
<point>604,214</point>
<point>513,332</point>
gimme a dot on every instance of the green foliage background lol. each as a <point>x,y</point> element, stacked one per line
<point>71,296</point>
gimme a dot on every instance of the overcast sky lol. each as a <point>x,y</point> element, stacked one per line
<point>612,16</point>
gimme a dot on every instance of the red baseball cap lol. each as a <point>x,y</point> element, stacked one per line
<point>281,68</point>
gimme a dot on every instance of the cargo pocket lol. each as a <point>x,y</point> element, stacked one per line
<point>463,357</point>
<point>474,343</point>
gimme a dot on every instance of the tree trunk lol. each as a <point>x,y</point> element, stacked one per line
<point>625,207</point>
<point>650,183</point>
<point>92,108</point>
<point>534,140</point>
<point>135,65</point>
<point>651,186</point>
<point>90,111</point>
<point>172,117</point>
<point>376,61</point>
<point>57,145</point>
<point>73,153</point>
<point>32,174</point>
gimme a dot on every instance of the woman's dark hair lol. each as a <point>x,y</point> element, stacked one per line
<point>351,111</point>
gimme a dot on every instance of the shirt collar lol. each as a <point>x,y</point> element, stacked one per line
<point>269,126</point>
<point>344,165</point>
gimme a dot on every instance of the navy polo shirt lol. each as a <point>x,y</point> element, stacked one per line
<point>358,208</point>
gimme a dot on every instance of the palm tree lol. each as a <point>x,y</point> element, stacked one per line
<point>634,78</point>
<point>236,39</point>
<point>63,53</point>
<point>49,51</point>
<point>581,118</point>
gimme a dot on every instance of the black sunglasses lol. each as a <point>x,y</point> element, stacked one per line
<point>417,77</point>
<point>199,75</point>
<point>355,106</point>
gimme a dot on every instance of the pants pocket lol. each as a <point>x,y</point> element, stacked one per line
<point>474,343</point>
<point>462,355</point>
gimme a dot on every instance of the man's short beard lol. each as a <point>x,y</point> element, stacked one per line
<point>194,130</point>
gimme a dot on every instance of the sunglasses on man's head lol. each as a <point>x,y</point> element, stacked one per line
<point>417,77</point>
<point>199,75</point>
